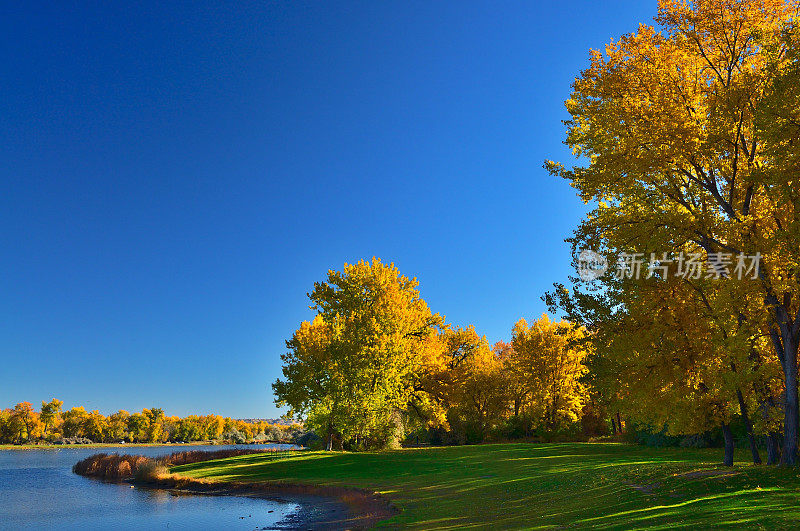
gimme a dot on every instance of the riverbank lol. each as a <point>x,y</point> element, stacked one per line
<point>321,507</point>
<point>536,485</point>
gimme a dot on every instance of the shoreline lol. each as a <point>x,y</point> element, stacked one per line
<point>321,507</point>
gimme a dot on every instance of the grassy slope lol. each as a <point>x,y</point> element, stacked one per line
<point>527,485</point>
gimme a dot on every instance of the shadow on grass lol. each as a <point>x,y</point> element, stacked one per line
<point>533,485</point>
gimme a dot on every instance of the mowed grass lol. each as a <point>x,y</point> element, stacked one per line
<point>541,485</point>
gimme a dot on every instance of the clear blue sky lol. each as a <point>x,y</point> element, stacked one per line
<point>175,176</point>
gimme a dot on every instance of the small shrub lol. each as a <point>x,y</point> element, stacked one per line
<point>234,436</point>
<point>701,440</point>
<point>308,439</point>
<point>74,440</point>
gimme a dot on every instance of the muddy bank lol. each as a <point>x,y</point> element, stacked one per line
<point>322,507</point>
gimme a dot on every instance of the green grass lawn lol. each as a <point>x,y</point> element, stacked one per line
<point>541,485</point>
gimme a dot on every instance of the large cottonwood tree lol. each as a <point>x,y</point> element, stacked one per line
<point>666,123</point>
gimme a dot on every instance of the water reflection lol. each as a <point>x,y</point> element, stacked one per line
<point>39,491</point>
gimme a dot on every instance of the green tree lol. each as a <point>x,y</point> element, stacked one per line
<point>13,427</point>
<point>95,427</point>
<point>359,364</point>
<point>50,414</point>
<point>74,422</point>
<point>117,425</point>
<point>138,427</point>
<point>6,428</point>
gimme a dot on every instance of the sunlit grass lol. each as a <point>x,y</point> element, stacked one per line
<point>529,486</point>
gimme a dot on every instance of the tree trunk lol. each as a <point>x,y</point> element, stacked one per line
<point>790,421</point>
<point>619,422</point>
<point>748,427</point>
<point>728,435</point>
<point>329,446</point>
<point>773,448</point>
<point>784,340</point>
<point>613,426</point>
<point>772,439</point>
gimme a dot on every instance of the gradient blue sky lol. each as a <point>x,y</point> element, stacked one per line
<point>175,176</point>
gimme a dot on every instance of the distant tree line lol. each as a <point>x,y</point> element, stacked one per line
<point>22,424</point>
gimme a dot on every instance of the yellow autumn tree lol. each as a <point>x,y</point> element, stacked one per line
<point>29,427</point>
<point>469,386</point>
<point>547,359</point>
<point>688,368</point>
<point>446,356</point>
<point>665,123</point>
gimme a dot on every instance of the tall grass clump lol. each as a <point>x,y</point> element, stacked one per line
<point>114,467</point>
<point>151,470</point>
<point>111,467</point>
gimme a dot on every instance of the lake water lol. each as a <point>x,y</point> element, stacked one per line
<point>39,491</point>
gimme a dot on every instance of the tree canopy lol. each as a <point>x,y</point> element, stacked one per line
<point>684,134</point>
